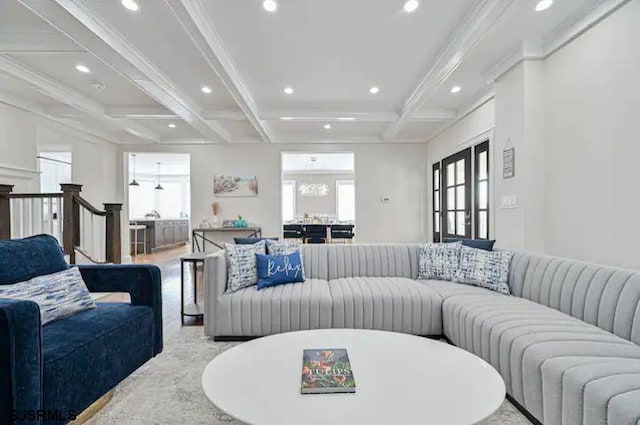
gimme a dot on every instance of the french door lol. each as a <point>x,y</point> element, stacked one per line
<point>461,194</point>
<point>456,195</point>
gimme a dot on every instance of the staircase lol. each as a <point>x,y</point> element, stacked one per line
<point>84,231</point>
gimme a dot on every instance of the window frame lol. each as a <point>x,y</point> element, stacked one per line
<point>295,206</point>
<point>436,194</point>
<point>479,149</point>
<point>351,182</point>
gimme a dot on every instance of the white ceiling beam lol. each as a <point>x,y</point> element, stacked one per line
<point>58,91</point>
<point>469,33</point>
<point>79,21</point>
<point>81,131</point>
<point>194,19</point>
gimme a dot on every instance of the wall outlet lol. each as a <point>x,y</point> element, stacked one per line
<point>509,201</point>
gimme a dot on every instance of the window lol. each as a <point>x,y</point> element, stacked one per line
<point>436,202</point>
<point>346,200</point>
<point>288,200</point>
<point>481,152</point>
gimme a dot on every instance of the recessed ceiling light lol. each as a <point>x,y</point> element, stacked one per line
<point>286,118</point>
<point>131,5</point>
<point>327,126</point>
<point>270,5</point>
<point>411,5</point>
<point>83,69</point>
<point>543,5</point>
<point>455,89</point>
<point>288,90</point>
<point>374,90</point>
<point>172,125</point>
<point>206,89</point>
<point>346,119</point>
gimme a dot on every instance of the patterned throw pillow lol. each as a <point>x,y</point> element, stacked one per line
<point>58,295</point>
<point>286,247</point>
<point>487,269</point>
<point>241,265</point>
<point>439,260</point>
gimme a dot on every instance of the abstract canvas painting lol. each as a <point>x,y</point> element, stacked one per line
<point>235,186</point>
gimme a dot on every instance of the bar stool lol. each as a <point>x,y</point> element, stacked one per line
<point>134,228</point>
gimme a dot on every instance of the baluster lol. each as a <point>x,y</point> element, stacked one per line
<point>59,219</point>
<point>50,215</point>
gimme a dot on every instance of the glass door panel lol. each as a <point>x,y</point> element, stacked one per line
<point>457,196</point>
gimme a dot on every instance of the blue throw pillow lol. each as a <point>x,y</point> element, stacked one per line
<point>278,269</point>
<point>487,245</point>
<point>251,241</point>
<point>24,259</point>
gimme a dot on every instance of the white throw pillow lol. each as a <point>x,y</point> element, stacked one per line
<point>242,267</point>
<point>487,269</point>
<point>58,295</point>
<point>439,261</point>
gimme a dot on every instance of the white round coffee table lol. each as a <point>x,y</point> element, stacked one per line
<point>400,379</point>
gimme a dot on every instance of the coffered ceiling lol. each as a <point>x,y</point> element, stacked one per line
<point>147,68</point>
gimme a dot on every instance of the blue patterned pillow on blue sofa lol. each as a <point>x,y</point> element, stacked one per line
<point>487,269</point>
<point>58,295</point>
<point>279,269</point>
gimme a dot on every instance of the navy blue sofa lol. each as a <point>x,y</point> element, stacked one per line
<point>49,374</point>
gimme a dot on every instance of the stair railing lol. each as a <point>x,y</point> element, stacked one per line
<point>66,216</point>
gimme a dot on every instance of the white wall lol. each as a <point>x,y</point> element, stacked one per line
<point>23,135</point>
<point>592,161</point>
<point>396,171</point>
<point>573,119</point>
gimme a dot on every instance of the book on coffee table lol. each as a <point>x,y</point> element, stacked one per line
<point>326,370</point>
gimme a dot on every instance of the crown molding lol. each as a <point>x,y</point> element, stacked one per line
<point>35,42</point>
<point>79,21</point>
<point>471,31</point>
<point>19,173</point>
<point>578,23</point>
<point>196,22</point>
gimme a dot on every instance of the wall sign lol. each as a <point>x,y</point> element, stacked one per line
<point>508,163</point>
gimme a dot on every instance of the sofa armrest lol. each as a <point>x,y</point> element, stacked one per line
<point>142,282</point>
<point>215,283</point>
<point>20,361</point>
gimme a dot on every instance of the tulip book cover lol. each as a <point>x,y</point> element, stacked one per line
<point>326,371</point>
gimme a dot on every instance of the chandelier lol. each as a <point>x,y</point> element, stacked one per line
<point>313,190</point>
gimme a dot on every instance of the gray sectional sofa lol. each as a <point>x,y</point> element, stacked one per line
<point>566,341</point>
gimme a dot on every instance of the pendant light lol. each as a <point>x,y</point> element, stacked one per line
<point>134,182</point>
<point>159,186</point>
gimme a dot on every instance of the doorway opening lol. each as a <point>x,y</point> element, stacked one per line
<point>319,196</point>
<point>159,207</point>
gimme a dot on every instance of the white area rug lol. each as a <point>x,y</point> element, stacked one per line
<point>167,389</point>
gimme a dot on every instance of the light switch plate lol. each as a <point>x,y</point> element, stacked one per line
<point>509,201</point>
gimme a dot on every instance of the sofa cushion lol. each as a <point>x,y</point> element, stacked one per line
<point>88,354</point>
<point>446,288</point>
<point>606,297</point>
<point>518,336</point>
<point>372,261</point>
<point>486,244</point>
<point>392,304</point>
<point>283,308</point>
<point>276,270</point>
<point>24,259</point>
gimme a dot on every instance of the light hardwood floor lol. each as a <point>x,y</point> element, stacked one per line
<point>169,263</point>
